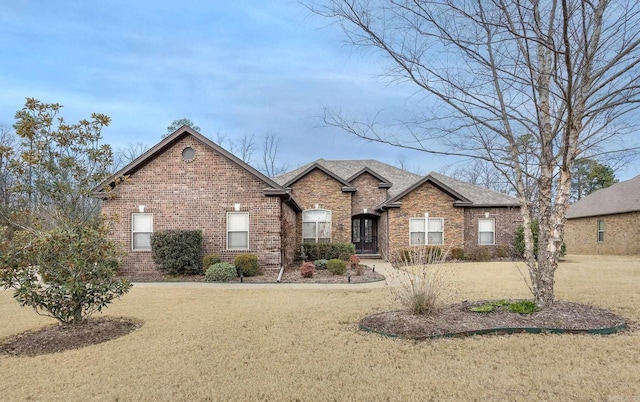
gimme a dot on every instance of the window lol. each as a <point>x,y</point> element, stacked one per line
<point>237,231</point>
<point>486,231</point>
<point>600,231</point>
<point>141,229</point>
<point>432,235</point>
<point>316,226</point>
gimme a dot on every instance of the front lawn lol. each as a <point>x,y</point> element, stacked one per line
<point>286,344</point>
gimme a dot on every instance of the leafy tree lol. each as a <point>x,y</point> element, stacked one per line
<point>54,251</point>
<point>66,273</point>
<point>176,124</point>
<point>56,165</point>
<point>557,75</point>
<point>588,176</point>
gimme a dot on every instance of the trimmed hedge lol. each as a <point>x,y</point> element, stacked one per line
<point>177,252</point>
<point>328,251</point>
<point>247,264</point>
<point>221,272</point>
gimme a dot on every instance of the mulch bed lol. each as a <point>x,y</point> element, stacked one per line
<point>458,320</point>
<point>58,337</point>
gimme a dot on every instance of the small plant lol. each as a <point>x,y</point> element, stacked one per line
<point>457,253</point>
<point>503,251</point>
<point>209,260</point>
<point>480,253</point>
<point>354,261</point>
<point>523,307</point>
<point>220,272</point>
<point>306,270</point>
<point>490,307</point>
<point>320,264</point>
<point>247,264</point>
<point>336,266</point>
<point>520,307</point>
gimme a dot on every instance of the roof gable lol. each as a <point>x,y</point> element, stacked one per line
<point>620,198</point>
<point>272,188</point>
<point>384,183</point>
<point>346,186</point>
<point>459,198</point>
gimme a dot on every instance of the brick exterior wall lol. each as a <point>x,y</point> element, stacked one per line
<point>621,235</point>
<point>196,195</point>
<point>507,220</point>
<point>425,199</point>
<point>319,188</point>
<point>368,196</point>
<point>290,236</point>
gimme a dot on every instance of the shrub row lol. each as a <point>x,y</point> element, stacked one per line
<point>327,251</point>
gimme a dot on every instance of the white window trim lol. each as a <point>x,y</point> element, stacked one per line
<point>238,231</point>
<point>330,222</point>
<point>494,232</point>
<point>426,220</point>
<point>134,232</point>
<point>600,231</point>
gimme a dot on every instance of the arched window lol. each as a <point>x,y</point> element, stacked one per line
<point>316,226</point>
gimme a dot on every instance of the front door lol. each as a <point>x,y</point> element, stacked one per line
<point>364,234</point>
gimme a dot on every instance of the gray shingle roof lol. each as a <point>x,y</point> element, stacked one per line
<point>620,198</point>
<point>402,180</point>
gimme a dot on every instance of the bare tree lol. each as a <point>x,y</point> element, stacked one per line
<point>482,173</point>
<point>270,150</point>
<point>564,72</point>
<point>124,155</point>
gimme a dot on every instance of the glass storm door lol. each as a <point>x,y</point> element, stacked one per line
<point>364,235</point>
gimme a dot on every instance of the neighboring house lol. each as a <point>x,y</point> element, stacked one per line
<point>188,182</point>
<point>606,221</point>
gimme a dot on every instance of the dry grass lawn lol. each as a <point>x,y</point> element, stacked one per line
<point>289,344</point>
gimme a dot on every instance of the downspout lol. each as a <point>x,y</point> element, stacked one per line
<point>280,273</point>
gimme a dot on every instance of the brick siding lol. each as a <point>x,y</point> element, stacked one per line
<point>319,188</point>
<point>368,196</point>
<point>425,199</point>
<point>507,220</point>
<point>196,195</point>
<point>621,235</point>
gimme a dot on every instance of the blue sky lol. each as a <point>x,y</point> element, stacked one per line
<point>236,68</point>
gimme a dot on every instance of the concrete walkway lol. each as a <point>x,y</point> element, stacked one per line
<point>381,266</point>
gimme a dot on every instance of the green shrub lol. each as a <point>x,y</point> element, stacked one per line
<point>457,253</point>
<point>327,251</point>
<point>77,264</point>
<point>306,270</point>
<point>209,260</point>
<point>221,272</point>
<point>247,264</point>
<point>320,264</point>
<point>518,245</point>
<point>177,252</point>
<point>337,266</point>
